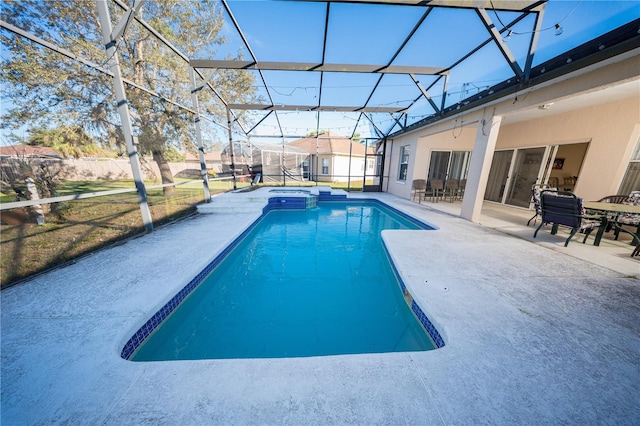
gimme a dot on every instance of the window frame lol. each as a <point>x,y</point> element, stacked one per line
<point>325,167</point>
<point>631,176</point>
<point>403,163</point>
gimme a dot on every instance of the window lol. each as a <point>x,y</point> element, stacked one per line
<point>631,181</point>
<point>325,166</point>
<point>404,163</point>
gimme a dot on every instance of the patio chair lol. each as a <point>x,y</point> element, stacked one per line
<point>629,219</point>
<point>535,199</point>
<point>418,186</point>
<point>566,209</point>
<point>451,189</point>
<point>461,188</point>
<point>435,189</point>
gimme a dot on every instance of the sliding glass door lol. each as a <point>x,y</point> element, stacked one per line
<point>498,175</point>
<point>439,165</point>
<point>514,172</point>
<point>448,165</point>
<point>526,173</point>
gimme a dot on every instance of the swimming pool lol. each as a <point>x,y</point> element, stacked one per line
<point>300,283</point>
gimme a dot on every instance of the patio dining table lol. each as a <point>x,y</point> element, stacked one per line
<point>611,213</point>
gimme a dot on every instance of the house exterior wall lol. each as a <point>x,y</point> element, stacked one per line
<point>416,162</point>
<point>611,129</point>
<point>339,167</point>
<point>323,177</point>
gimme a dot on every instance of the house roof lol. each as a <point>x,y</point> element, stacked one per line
<point>330,143</point>
<point>27,151</point>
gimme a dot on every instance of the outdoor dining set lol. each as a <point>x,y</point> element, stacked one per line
<point>438,189</point>
<point>617,213</point>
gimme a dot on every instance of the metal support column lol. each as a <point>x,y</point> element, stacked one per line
<point>364,169</point>
<point>233,158</point>
<point>284,165</point>
<point>382,159</point>
<point>196,120</point>
<point>350,159</point>
<point>123,110</point>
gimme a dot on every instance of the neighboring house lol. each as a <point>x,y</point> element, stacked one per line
<point>27,151</point>
<point>329,158</point>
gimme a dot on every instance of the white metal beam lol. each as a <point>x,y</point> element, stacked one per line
<point>125,20</point>
<point>497,37</point>
<point>330,108</point>
<point>196,120</point>
<point>123,109</point>
<point>510,5</point>
<point>308,66</point>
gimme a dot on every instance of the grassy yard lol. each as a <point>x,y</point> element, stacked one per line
<point>87,224</point>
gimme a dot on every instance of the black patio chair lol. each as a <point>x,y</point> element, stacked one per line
<point>564,208</point>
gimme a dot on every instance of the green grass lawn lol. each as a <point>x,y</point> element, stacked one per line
<point>88,224</point>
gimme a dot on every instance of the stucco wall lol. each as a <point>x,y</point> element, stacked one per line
<point>339,168</point>
<point>395,186</point>
<point>611,129</point>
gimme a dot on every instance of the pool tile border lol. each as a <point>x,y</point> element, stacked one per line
<point>274,203</point>
<point>149,327</point>
<point>418,312</point>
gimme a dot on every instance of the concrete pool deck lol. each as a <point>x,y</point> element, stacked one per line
<point>535,333</point>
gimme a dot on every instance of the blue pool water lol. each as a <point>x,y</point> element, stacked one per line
<point>301,283</point>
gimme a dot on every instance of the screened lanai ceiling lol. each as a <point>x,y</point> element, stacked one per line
<point>364,69</point>
<point>373,68</point>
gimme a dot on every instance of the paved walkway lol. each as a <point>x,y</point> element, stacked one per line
<point>534,335</point>
<point>612,254</point>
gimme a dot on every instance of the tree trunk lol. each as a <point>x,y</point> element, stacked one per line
<point>165,173</point>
